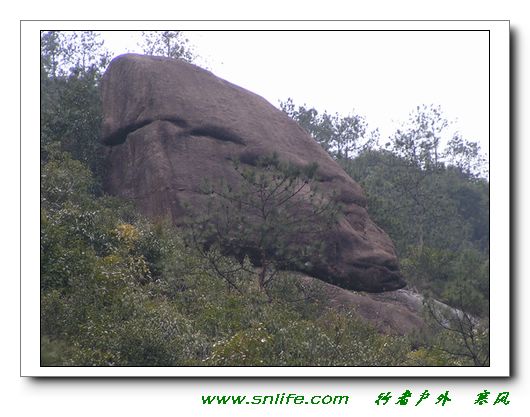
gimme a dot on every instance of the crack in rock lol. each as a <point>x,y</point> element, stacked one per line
<point>215,132</point>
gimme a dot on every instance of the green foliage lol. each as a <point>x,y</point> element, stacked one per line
<point>419,140</point>
<point>455,333</point>
<point>466,157</point>
<point>434,204</point>
<point>118,290</point>
<point>102,303</point>
<point>429,262</point>
<point>71,66</point>
<point>450,273</point>
<point>285,338</point>
<point>429,356</point>
<point>274,215</point>
<point>417,207</point>
<point>64,179</point>
<point>168,43</point>
<point>343,137</point>
<point>458,331</point>
<point>439,221</point>
<point>67,53</point>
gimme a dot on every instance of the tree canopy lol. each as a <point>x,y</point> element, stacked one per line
<point>168,43</point>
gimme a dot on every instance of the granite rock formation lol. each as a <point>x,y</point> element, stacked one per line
<point>170,125</point>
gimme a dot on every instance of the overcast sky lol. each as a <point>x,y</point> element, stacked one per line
<point>381,75</point>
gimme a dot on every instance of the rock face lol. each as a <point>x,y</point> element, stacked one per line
<point>170,125</point>
<point>394,312</point>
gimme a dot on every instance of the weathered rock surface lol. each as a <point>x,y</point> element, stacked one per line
<point>170,125</point>
<point>397,312</point>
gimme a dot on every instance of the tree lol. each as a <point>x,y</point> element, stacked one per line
<point>72,64</point>
<point>51,53</point>
<point>466,156</point>
<point>415,206</point>
<point>73,53</point>
<point>419,176</point>
<point>458,327</point>
<point>342,137</point>
<point>275,216</point>
<point>168,43</point>
<point>418,141</point>
<point>457,332</point>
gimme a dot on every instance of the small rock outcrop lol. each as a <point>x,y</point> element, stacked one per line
<point>397,312</point>
<point>170,125</point>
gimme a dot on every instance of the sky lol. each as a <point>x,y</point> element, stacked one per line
<point>381,75</point>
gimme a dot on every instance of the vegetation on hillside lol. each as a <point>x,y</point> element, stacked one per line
<point>120,290</point>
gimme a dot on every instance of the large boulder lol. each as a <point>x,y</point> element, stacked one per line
<point>170,125</point>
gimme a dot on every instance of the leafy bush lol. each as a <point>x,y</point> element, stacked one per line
<point>118,290</point>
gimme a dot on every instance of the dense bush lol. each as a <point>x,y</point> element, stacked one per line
<point>119,290</point>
